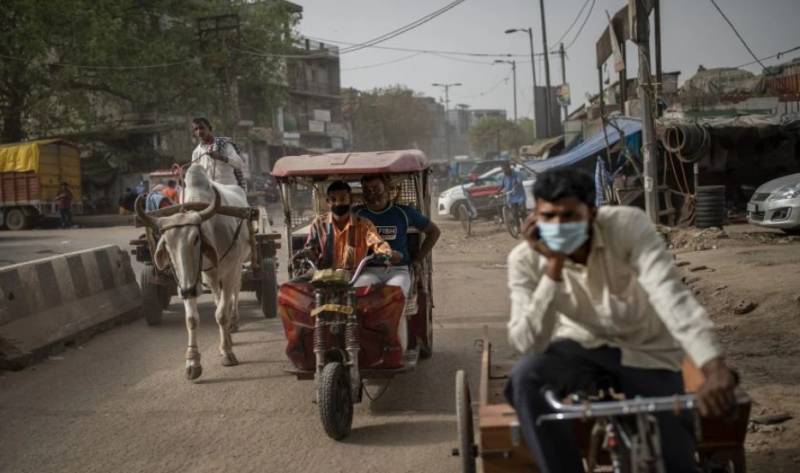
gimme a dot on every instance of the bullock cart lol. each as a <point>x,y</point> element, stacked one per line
<point>259,276</point>
<point>339,335</point>
<point>489,431</point>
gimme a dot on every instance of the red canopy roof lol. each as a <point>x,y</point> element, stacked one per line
<point>372,162</point>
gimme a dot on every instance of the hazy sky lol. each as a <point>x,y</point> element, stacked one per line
<point>693,33</point>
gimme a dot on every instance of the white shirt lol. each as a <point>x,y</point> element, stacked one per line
<point>218,171</point>
<point>629,295</point>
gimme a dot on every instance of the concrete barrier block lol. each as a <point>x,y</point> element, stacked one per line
<point>52,301</point>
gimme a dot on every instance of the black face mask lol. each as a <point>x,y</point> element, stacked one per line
<point>341,210</point>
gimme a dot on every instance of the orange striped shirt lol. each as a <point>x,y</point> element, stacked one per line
<point>350,243</point>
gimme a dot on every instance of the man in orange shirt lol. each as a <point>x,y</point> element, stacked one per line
<point>171,191</point>
<point>339,239</point>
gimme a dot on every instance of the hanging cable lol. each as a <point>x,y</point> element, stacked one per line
<point>106,67</point>
<point>403,29</point>
<point>746,46</point>
<point>580,30</point>
<point>776,55</point>
<point>431,51</point>
<point>572,25</point>
<point>370,66</point>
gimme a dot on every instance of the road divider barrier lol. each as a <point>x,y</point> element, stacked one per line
<point>48,303</point>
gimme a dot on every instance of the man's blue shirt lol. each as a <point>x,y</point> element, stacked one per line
<point>513,187</point>
<point>393,224</point>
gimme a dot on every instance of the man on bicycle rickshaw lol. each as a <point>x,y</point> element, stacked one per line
<point>596,297</point>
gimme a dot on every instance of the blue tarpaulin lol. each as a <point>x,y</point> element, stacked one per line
<point>592,146</point>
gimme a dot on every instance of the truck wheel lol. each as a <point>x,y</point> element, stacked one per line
<point>335,403</point>
<point>267,289</point>
<point>17,220</point>
<point>152,300</point>
<point>466,433</point>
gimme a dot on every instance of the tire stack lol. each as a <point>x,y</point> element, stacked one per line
<point>710,208</point>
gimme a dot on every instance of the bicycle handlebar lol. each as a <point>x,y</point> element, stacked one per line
<point>638,405</point>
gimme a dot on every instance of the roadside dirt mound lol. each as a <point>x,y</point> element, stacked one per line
<point>697,239</point>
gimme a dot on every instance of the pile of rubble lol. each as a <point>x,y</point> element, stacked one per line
<point>700,239</point>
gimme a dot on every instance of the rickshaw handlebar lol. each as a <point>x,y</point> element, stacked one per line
<point>589,410</point>
<point>638,405</point>
<point>362,265</point>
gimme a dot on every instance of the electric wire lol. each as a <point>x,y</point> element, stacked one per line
<point>776,55</point>
<point>403,29</point>
<point>746,46</point>
<point>370,66</point>
<point>572,25</point>
<point>583,25</point>
<point>106,67</point>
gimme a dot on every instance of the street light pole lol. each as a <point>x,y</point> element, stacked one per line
<point>514,83</point>
<point>533,69</point>
<point>446,88</point>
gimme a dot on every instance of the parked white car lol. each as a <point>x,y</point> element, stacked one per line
<point>776,204</point>
<point>450,199</point>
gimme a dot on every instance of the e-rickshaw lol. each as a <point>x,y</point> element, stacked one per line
<point>336,334</point>
<point>614,434</point>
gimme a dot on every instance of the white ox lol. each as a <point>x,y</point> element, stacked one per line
<point>196,242</point>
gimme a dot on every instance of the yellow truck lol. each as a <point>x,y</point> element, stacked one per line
<point>30,175</point>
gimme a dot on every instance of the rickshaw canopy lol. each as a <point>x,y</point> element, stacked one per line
<point>344,164</point>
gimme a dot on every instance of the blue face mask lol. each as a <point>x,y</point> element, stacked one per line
<point>564,237</point>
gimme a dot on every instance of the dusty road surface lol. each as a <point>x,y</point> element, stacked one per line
<point>120,402</point>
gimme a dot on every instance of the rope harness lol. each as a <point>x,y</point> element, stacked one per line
<point>186,293</point>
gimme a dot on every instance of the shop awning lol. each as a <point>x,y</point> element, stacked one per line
<point>591,146</point>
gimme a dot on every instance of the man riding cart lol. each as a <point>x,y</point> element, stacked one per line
<point>221,164</point>
<point>347,316</point>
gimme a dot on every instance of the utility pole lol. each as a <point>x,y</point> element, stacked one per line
<point>529,30</point>
<point>645,92</point>
<point>546,69</point>
<point>563,77</point>
<point>446,88</point>
<point>222,28</point>
<point>659,75</point>
<point>514,83</point>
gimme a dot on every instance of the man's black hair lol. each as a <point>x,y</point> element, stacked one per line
<point>339,186</point>
<point>202,121</point>
<point>371,177</point>
<point>563,183</point>
<point>171,183</point>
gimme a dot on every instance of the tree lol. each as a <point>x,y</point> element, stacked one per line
<point>70,64</point>
<point>391,118</point>
<point>496,134</point>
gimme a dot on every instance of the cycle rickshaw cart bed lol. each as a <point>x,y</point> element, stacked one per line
<point>496,441</point>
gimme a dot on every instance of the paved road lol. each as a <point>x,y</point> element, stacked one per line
<point>120,402</point>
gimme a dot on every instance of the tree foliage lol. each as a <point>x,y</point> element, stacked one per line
<point>391,118</point>
<point>496,134</point>
<point>71,64</point>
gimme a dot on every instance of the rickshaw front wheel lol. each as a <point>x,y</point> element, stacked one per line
<point>334,400</point>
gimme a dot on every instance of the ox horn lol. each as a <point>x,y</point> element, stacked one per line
<point>141,214</point>
<point>211,210</point>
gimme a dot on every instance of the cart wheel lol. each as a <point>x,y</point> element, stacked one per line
<point>165,296</point>
<point>426,345</point>
<point>466,433</point>
<point>465,219</point>
<point>511,221</point>
<point>152,301</point>
<point>267,289</point>
<point>335,402</point>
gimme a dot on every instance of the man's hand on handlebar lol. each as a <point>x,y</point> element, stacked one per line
<point>716,396</point>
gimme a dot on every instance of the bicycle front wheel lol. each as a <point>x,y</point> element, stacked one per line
<point>512,221</point>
